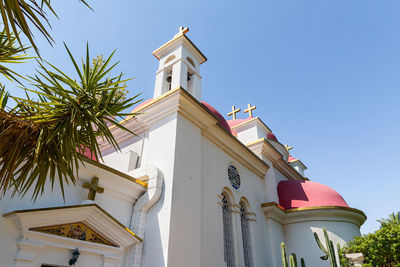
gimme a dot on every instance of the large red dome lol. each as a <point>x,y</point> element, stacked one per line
<point>299,194</point>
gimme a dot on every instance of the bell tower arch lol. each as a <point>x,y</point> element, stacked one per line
<point>179,66</point>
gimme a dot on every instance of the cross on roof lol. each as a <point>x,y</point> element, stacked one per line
<point>93,188</point>
<point>182,31</point>
<point>249,110</point>
<point>233,113</point>
<point>288,148</point>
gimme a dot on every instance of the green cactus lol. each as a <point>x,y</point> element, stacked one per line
<point>292,258</point>
<point>329,250</point>
<point>283,252</point>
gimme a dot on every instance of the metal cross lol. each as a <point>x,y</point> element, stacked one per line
<point>233,113</point>
<point>288,148</point>
<point>182,30</point>
<point>93,188</point>
<point>249,110</point>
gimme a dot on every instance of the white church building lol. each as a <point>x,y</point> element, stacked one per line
<point>190,189</point>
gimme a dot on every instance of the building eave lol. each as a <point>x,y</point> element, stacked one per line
<point>175,41</point>
<point>179,100</point>
<point>19,215</point>
<point>116,172</point>
<point>317,213</point>
<point>271,153</point>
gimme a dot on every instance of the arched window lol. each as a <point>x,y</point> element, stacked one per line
<point>228,234</point>
<point>191,61</point>
<point>248,261</point>
<point>171,57</point>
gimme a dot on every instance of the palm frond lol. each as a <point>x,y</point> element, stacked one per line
<point>23,15</point>
<point>11,52</point>
<point>44,140</point>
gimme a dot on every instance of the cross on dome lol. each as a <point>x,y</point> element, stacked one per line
<point>249,110</point>
<point>93,188</point>
<point>182,31</point>
<point>234,111</point>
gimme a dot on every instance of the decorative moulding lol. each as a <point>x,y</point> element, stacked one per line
<point>28,222</point>
<point>180,101</point>
<point>180,40</point>
<point>323,213</point>
<point>262,147</point>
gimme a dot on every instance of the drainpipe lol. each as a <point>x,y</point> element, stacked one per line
<point>141,208</point>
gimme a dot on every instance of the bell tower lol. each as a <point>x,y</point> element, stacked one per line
<point>179,66</point>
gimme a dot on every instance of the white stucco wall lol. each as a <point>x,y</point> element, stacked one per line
<point>74,195</point>
<point>299,238</point>
<point>185,227</point>
<point>8,241</point>
<point>159,150</point>
<point>215,163</point>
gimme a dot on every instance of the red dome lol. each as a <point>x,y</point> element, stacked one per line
<point>271,136</point>
<point>220,118</point>
<point>291,159</point>
<point>298,194</point>
<point>233,123</point>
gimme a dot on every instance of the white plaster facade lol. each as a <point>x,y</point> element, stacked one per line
<point>165,186</point>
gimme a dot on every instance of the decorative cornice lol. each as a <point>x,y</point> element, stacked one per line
<point>297,161</point>
<point>244,124</point>
<point>58,215</point>
<point>263,148</point>
<point>114,171</point>
<point>180,101</point>
<point>182,38</point>
<point>317,213</point>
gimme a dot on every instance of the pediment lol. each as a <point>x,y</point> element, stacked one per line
<point>87,223</point>
<point>77,230</point>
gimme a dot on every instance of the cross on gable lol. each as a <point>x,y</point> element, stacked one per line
<point>233,113</point>
<point>249,110</point>
<point>93,187</point>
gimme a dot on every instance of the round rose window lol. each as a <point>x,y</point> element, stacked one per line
<point>234,177</point>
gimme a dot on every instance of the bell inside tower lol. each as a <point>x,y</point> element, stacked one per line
<point>189,82</point>
<point>179,66</point>
<point>169,80</point>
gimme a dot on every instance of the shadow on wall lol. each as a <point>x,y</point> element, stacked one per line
<point>153,250</point>
<point>289,193</point>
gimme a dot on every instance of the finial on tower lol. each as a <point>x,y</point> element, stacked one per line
<point>182,31</point>
<point>250,110</point>
<point>233,113</point>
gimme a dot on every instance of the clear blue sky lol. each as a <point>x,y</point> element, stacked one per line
<point>324,75</point>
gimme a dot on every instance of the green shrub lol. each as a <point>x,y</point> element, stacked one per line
<point>381,248</point>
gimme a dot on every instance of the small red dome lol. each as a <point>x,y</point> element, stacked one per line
<point>271,136</point>
<point>233,123</point>
<point>220,118</point>
<point>298,194</point>
<point>87,153</point>
<point>291,159</point>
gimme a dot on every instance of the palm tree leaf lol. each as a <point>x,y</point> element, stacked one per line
<point>44,138</point>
